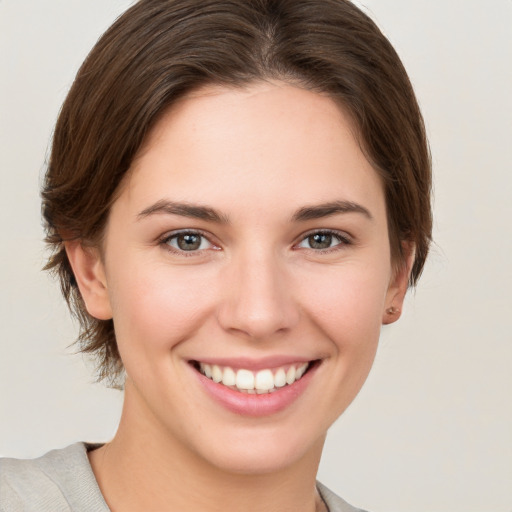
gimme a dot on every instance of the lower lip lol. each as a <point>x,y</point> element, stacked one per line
<point>246,404</point>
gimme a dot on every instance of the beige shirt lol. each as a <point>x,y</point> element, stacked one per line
<point>63,481</point>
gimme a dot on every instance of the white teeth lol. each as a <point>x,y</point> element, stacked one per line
<point>246,381</point>
<point>216,373</point>
<point>228,377</point>
<point>280,378</point>
<point>264,380</point>
<point>206,369</point>
<point>300,371</point>
<point>290,375</point>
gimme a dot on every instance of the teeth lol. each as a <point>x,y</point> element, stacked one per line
<point>244,379</point>
<point>300,371</point>
<point>280,378</point>
<point>264,380</point>
<point>207,370</point>
<point>216,373</point>
<point>228,377</point>
<point>290,375</point>
<point>261,382</point>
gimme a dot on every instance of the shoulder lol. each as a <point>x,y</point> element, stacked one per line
<point>334,502</point>
<point>59,480</point>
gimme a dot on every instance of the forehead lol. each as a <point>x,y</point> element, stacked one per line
<point>267,142</point>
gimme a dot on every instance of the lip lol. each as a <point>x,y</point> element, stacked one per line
<point>256,365</point>
<point>245,404</point>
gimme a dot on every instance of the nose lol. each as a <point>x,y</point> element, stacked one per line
<point>258,298</point>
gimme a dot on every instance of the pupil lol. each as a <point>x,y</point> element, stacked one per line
<point>320,241</point>
<point>189,242</point>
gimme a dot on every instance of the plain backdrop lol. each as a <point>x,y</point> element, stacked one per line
<point>432,429</point>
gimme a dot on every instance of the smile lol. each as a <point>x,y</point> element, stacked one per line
<point>246,381</point>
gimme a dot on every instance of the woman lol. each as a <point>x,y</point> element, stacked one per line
<point>237,198</point>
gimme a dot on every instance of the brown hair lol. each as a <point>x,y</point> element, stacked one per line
<point>160,50</point>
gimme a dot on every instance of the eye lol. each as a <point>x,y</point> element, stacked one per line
<point>323,240</point>
<point>187,241</point>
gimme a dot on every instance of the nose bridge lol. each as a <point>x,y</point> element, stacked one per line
<point>258,301</point>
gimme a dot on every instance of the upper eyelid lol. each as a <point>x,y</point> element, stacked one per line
<point>171,234</point>
<point>334,232</point>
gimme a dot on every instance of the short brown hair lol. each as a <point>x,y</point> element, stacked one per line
<point>160,50</point>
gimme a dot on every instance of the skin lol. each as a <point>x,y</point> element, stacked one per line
<point>255,288</point>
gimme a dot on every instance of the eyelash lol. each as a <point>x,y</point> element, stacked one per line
<point>165,241</point>
<point>343,238</point>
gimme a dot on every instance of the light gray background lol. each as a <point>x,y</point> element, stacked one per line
<point>432,429</point>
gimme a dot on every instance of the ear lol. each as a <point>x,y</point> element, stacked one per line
<point>398,286</point>
<point>89,272</point>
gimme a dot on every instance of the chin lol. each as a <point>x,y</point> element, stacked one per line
<point>263,452</point>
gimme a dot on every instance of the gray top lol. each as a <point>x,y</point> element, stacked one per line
<point>63,481</point>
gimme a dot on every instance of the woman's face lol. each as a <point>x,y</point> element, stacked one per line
<point>249,241</point>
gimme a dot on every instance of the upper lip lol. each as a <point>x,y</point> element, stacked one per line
<point>252,363</point>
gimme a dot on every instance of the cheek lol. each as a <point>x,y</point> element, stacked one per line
<point>157,308</point>
<point>347,303</point>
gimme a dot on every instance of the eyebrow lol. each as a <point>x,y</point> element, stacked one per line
<point>207,213</point>
<point>185,210</point>
<point>328,209</point>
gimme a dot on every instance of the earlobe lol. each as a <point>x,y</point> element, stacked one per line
<point>89,272</point>
<point>398,286</point>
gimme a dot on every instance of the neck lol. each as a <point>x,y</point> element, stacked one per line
<point>146,468</point>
